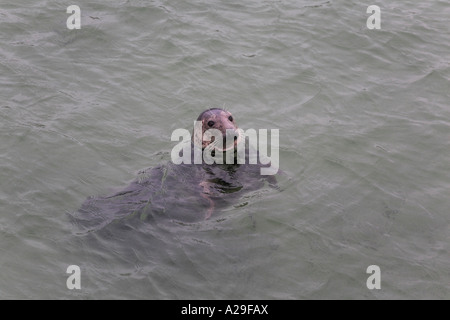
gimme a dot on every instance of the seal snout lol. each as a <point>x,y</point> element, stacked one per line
<point>230,138</point>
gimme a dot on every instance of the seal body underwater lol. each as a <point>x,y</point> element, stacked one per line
<point>182,192</point>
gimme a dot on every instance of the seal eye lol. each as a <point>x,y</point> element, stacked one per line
<point>230,118</point>
<point>211,123</point>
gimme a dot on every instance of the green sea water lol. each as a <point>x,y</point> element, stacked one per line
<point>364,120</point>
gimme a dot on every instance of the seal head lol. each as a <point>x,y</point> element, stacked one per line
<point>221,120</point>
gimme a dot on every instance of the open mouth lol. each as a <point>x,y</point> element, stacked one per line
<point>229,142</point>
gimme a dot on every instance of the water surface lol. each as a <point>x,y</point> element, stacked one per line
<point>364,123</point>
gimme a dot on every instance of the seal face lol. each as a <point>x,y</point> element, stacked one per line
<point>221,120</point>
